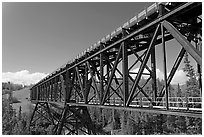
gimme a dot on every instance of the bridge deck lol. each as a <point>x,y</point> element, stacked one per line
<point>156,110</point>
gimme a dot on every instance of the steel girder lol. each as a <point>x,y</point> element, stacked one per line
<point>87,82</point>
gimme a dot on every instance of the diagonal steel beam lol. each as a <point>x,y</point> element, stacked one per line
<point>143,90</point>
<point>80,83</point>
<point>173,70</point>
<point>115,90</point>
<point>197,55</point>
<point>106,82</point>
<point>139,58</point>
<point>93,79</point>
<point>143,64</point>
<point>137,86</point>
<point>112,75</point>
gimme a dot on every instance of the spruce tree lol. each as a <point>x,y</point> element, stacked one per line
<point>179,93</point>
<point>192,83</point>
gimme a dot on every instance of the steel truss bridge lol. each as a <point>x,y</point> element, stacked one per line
<point>94,78</point>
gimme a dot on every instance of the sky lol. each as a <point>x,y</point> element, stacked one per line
<point>38,38</point>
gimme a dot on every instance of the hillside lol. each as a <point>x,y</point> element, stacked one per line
<point>23,96</point>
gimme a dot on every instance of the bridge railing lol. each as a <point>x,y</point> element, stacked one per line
<point>174,102</point>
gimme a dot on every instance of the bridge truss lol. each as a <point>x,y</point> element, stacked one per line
<point>95,78</point>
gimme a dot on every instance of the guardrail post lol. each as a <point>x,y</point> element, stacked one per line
<point>186,100</point>
<point>101,75</point>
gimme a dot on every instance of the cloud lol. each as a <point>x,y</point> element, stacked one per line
<point>179,77</point>
<point>160,74</point>
<point>22,77</point>
<point>136,71</point>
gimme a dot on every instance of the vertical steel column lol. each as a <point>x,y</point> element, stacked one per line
<point>45,94</point>
<point>108,77</point>
<point>40,92</point>
<point>43,91</point>
<point>68,84</point>
<point>165,69</point>
<point>49,90</point>
<point>199,71</point>
<point>86,82</point>
<point>101,75</point>
<point>125,70</point>
<point>31,93</point>
<point>37,92</point>
<point>62,88</point>
<point>154,80</point>
<point>55,88</point>
<point>52,89</point>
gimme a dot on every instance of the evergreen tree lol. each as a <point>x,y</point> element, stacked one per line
<point>179,93</point>
<point>8,117</point>
<point>19,113</point>
<point>192,83</point>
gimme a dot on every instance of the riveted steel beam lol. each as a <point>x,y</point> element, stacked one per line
<point>101,75</point>
<point>86,84</point>
<point>165,68</point>
<point>197,55</point>
<point>153,74</point>
<point>125,69</point>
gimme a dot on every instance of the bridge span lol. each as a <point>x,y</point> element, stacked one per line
<point>102,76</point>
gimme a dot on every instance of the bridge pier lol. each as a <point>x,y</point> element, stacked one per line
<point>41,116</point>
<point>75,120</point>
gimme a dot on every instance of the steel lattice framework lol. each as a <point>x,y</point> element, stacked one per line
<point>94,77</point>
